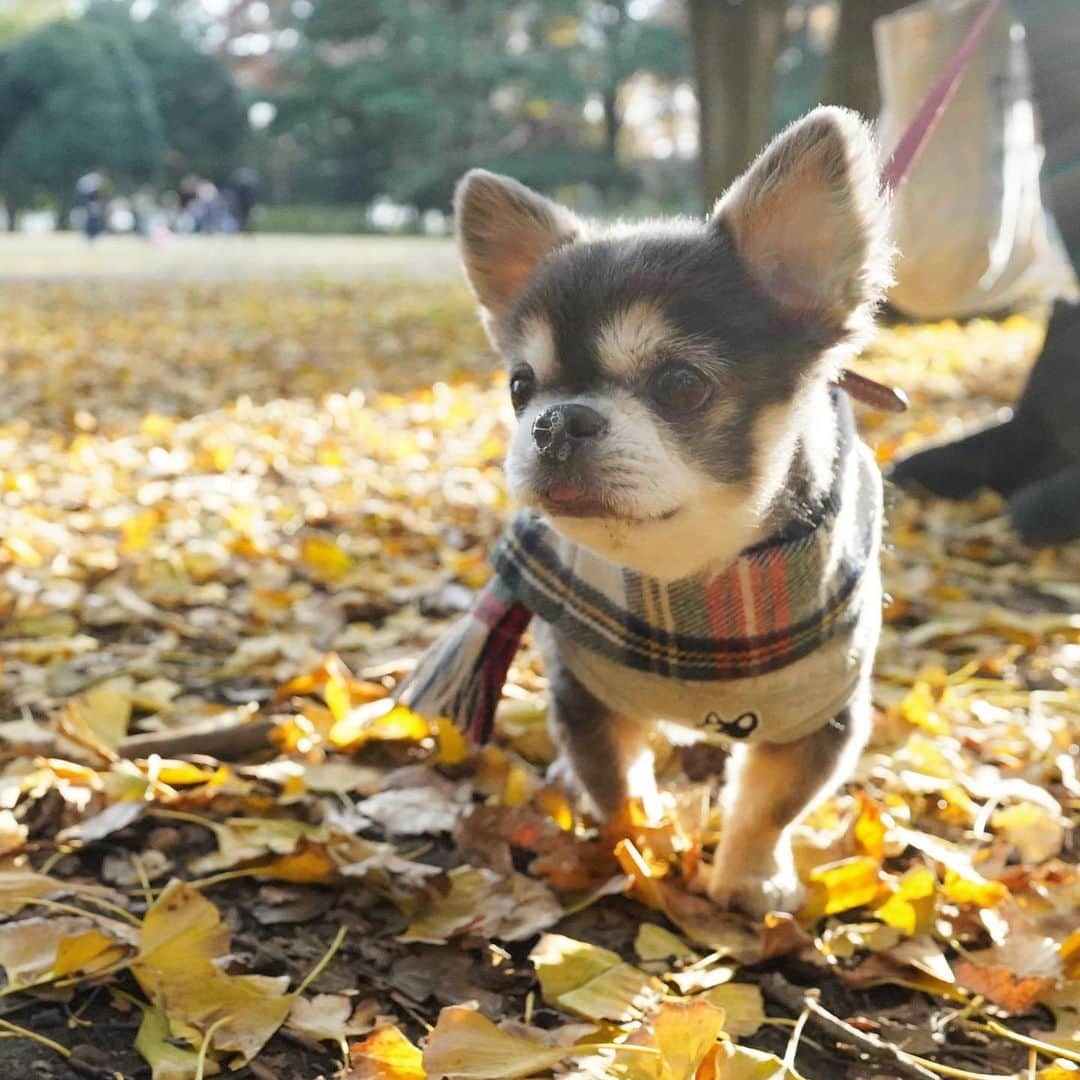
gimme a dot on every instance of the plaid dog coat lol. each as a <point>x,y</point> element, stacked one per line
<point>773,646</point>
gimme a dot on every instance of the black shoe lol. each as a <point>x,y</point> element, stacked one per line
<point>1048,511</point>
<point>995,457</point>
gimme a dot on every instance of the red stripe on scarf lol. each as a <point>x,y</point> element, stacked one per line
<point>778,578</point>
<point>502,646</point>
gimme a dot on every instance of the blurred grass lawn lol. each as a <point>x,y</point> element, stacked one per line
<point>69,256</point>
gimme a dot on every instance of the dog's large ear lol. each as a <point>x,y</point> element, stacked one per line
<point>809,221</point>
<point>504,231</point>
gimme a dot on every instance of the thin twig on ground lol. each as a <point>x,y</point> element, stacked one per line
<point>795,1000</point>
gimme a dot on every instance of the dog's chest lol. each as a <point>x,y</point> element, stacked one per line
<point>777,706</point>
<point>771,650</point>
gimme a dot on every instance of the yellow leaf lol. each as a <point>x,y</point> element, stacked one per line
<point>911,908</point>
<point>167,1061</point>
<point>682,1039</point>
<point>181,928</point>
<point>554,803</point>
<point>646,886</point>
<point>452,746</point>
<point>590,981</point>
<point>972,888</point>
<point>1070,955</point>
<point>378,721</point>
<point>743,1007</point>
<point>518,786</point>
<point>466,1044</point>
<point>137,531</point>
<point>925,955</point>
<point>845,939</point>
<point>28,947</point>
<point>522,723</point>
<point>184,773</point>
<point>870,828</point>
<point>85,954</point>
<point>1033,830</point>
<point>387,1055</point>
<point>841,886</point>
<point>742,1063</point>
<point>325,559</point>
<point>337,698</point>
<point>330,1016</point>
<point>655,943</point>
<point>310,864</point>
<point>181,936</point>
<point>105,711</point>
<point>722,932</point>
<point>685,1032</point>
<point>452,914</point>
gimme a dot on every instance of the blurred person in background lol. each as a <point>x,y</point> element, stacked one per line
<point>1032,457</point>
<point>91,200</point>
<point>243,195</point>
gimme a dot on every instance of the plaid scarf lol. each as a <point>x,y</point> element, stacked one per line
<point>779,601</point>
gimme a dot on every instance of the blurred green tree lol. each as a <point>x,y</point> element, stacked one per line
<point>18,16</point>
<point>396,98</point>
<point>74,96</point>
<point>201,108</point>
<point>134,97</point>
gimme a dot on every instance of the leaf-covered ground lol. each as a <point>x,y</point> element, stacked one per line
<point>233,512</point>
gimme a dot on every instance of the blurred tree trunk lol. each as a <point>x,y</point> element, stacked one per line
<point>614,46</point>
<point>851,73</point>
<point>735,48</point>
<point>612,124</point>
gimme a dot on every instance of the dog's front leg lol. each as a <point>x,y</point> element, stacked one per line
<point>602,755</point>
<point>769,787</point>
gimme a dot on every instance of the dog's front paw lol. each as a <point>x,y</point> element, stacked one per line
<point>561,774</point>
<point>758,891</point>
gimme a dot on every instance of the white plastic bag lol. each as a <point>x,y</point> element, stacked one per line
<point>969,220</point>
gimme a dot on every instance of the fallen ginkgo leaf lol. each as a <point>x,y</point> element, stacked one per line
<point>386,1054</point>
<point>466,1044</point>
<point>590,981</point>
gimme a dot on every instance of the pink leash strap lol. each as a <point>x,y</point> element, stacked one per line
<point>907,151</point>
<point>930,111</point>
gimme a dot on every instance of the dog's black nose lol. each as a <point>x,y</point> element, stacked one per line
<point>560,427</point>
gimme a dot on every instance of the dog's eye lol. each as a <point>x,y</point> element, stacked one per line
<point>679,390</point>
<point>522,385</point>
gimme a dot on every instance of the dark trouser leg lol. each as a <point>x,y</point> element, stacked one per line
<point>1048,511</point>
<point>1028,458</point>
<point>995,457</point>
<point>1031,459</point>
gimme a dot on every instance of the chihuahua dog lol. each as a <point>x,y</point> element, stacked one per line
<point>678,434</point>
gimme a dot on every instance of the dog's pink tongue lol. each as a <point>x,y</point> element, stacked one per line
<point>565,493</point>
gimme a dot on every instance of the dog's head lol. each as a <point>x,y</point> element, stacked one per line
<point>661,374</point>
